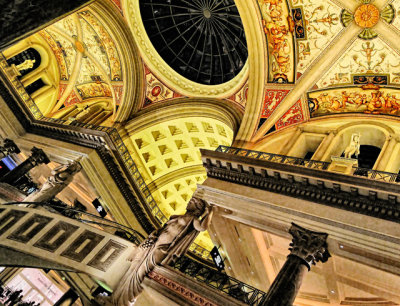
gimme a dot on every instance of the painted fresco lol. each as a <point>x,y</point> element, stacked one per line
<point>279,27</point>
<point>99,65</point>
<point>72,99</point>
<point>156,91</point>
<point>272,99</point>
<point>319,23</point>
<point>241,96</point>
<point>376,101</point>
<point>93,90</point>
<point>109,45</point>
<point>66,48</point>
<point>293,116</point>
<point>366,58</point>
<point>62,65</point>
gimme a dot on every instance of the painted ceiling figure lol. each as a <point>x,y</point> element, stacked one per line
<point>162,247</point>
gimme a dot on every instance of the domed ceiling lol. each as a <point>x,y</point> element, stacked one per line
<point>203,41</point>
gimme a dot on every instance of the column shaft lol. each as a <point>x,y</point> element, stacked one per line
<point>286,285</point>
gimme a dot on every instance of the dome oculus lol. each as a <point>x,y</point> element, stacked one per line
<point>202,40</point>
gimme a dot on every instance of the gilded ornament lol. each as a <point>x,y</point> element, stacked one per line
<point>366,15</point>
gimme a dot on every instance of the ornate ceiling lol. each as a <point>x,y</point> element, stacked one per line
<point>307,59</point>
<point>314,45</point>
<point>88,58</point>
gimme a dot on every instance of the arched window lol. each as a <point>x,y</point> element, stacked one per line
<point>26,61</point>
<point>368,156</point>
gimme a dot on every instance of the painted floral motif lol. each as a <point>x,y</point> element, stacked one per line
<point>73,98</point>
<point>355,100</point>
<point>363,58</point>
<point>366,15</point>
<point>241,96</point>
<point>272,99</point>
<point>322,24</point>
<point>292,116</point>
<point>156,91</point>
<point>279,27</point>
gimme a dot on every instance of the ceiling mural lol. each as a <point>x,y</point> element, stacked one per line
<point>363,58</point>
<point>279,30</point>
<point>294,115</point>
<point>316,24</point>
<point>157,91</point>
<point>369,99</point>
<point>396,8</point>
<point>272,99</point>
<point>367,16</point>
<point>89,62</point>
<point>241,96</point>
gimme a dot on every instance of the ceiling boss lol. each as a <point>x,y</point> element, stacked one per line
<point>367,16</point>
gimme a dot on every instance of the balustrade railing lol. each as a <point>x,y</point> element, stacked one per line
<point>276,158</point>
<point>377,175</point>
<point>77,214</point>
<point>220,281</point>
<point>307,163</point>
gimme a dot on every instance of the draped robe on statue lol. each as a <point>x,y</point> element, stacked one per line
<point>160,248</point>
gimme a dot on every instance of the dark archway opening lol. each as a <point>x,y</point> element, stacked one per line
<point>30,54</point>
<point>368,156</point>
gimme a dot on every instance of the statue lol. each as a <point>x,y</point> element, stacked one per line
<point>27,64</point>
<point>60,178</point>
<point>353,147</point>
<point>162,247</point>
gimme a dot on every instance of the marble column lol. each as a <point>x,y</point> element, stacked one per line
<point>306,249</point>
<point>37,157</point>
<point>21,18</point>
<point>8,148</point>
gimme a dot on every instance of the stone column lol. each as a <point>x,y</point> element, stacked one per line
<point>386,152</point>
<point>8,147</point>
<point>319,153</point>
<point>306,249</point>
<point>19,19</point>
<point>37,157</point>
<point>291,141</point>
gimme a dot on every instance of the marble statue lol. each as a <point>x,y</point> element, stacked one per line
<point>162,247</point>
<point>60,178</point>
<point>27,64</point>
<point>353,147</point>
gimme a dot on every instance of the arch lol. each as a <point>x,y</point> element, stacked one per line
<point>187,107</point>
<point>47,73</point>
<point>257,61</point>
<point>132,68</point>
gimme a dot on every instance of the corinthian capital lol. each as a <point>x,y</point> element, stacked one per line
<point>308,245</point>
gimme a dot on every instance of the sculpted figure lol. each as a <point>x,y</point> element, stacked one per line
<point>27,64</point>
<point>353,147</point>
<point>60,178</point>
<point>162,247</point>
